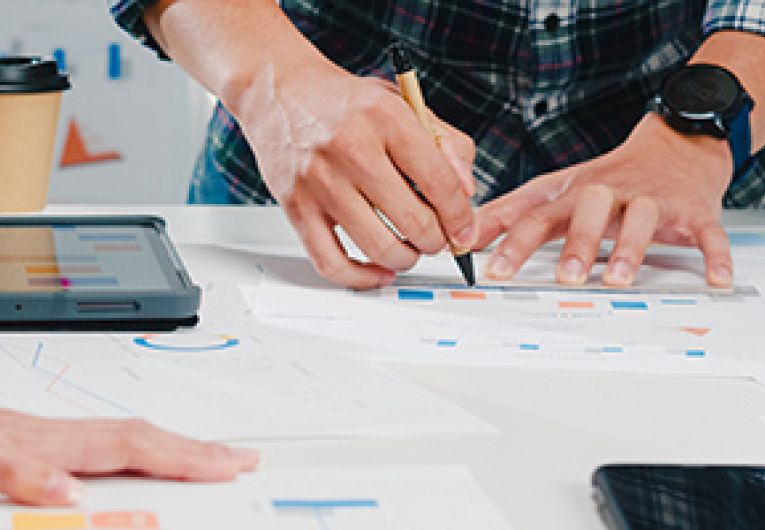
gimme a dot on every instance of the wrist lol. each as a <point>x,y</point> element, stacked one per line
<point>701,155</point>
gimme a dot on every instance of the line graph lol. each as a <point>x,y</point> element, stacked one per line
<point>52,371</point>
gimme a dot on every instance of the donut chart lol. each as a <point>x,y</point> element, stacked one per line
<point>186,343</point>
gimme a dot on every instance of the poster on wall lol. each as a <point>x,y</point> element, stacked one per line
<point>132,126</point>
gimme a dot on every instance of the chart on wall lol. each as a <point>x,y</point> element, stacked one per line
<point>131,126</point>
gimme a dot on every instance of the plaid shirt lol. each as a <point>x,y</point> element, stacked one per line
<point>539,85</point>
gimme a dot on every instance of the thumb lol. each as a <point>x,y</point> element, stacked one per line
<point>28,480</point>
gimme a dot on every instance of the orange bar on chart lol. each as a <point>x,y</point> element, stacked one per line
<point>125,521</point>
<point>573,304</point>
<point>49,521</point>
<point>468,295</point>
<point>699,332</point>
<point>43,269</point>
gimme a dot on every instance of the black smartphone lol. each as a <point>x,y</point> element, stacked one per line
<point>676,497</point>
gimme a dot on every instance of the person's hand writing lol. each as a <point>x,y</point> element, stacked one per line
<point>657,186</point>
<point>334,147</point>
<point>39,457</point>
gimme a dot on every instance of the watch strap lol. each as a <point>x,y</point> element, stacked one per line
<point>740,139</point>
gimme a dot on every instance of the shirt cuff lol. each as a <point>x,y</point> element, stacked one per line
<point>745,15</point>
<point>129,16</point>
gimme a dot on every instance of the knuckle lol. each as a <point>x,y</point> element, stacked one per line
<point>598,192</point>
<point>582,242</point>
<point>423,228</point>
<point>330,268</point>
<point>384,250</point>
<point>133,434</point>
<point>219,452</point>
<point>8,472</point>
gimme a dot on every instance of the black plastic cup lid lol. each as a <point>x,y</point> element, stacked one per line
<point>24,75</point>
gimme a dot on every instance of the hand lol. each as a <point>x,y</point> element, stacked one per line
<point>657,186</point>
<point>333,147</point>
<point>38,456</point>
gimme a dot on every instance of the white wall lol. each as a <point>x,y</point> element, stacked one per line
<point>152,115</point>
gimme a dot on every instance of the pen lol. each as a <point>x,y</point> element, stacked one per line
<point>406,77</point>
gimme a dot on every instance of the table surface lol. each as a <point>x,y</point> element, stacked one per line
<point>554,427</point>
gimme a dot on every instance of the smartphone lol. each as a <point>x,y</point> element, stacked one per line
<point>679,497</point>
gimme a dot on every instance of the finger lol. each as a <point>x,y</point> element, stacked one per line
<point>159,453</point>
<point>639,224</point>
<point>327,254</point>
<point>459,149</point>
<point>358,218</point>
<point>388,191</point>
<point>496,217</point>
<point>593,210</point>
<point>108,446</point>
<point>31,481</point>
<point>523,238</point>
<point>416,155</point>
<point>715,246</point>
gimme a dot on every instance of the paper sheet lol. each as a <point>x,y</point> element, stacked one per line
<point>217,387</point>
<point>447,498</point>
<point>669,322</point>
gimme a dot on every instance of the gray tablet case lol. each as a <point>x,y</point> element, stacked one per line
<point>102,310</point>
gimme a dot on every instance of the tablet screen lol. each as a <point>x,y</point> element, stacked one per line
<point>85,257</point>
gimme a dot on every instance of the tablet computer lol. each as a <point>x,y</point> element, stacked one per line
<point>94,273</point>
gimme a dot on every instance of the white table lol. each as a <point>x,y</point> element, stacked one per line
<point>555,427</point>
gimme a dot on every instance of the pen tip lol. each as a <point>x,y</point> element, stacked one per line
<point>465,263</point>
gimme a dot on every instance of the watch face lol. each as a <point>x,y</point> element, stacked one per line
<point>700,89</point>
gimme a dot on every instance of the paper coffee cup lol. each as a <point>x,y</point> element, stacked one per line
<point>30,103</point>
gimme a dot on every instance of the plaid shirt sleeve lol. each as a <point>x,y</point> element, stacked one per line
<point>129,16</point>
<point>744,15</point>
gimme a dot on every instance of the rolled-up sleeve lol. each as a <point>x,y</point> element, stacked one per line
<point>745,15</point>
<point>129,16</point>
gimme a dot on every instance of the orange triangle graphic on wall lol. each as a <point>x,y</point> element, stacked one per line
<point>699,332</point>
<point>76,153</point>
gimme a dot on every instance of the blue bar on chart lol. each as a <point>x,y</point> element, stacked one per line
<point>612,349</point>
<point>417,295</point>
<point>59,55</point>
<point>446,343</point>
<point>695,353</point>
<point>529,347</point>
<point>629,305</point>
<point>747,239</point>
<point>323,504</point>
<point>114,62</point>
<point>679,301</point>
<point>100,238</point>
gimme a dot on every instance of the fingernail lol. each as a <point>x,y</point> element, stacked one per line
<point>62,486</point>
<point>499,267</point>
<point>247,453</point>
<point>571,271</point>
<point>465,237</point>
<point>722,275</point>
<point>620,272</point>
<point>386,279</point>
<point>250,456</point>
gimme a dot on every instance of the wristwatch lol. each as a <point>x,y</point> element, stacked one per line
<point>708,99</point>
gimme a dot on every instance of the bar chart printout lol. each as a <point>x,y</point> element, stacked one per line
<point>400,498</point>
<point>447,498</point>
